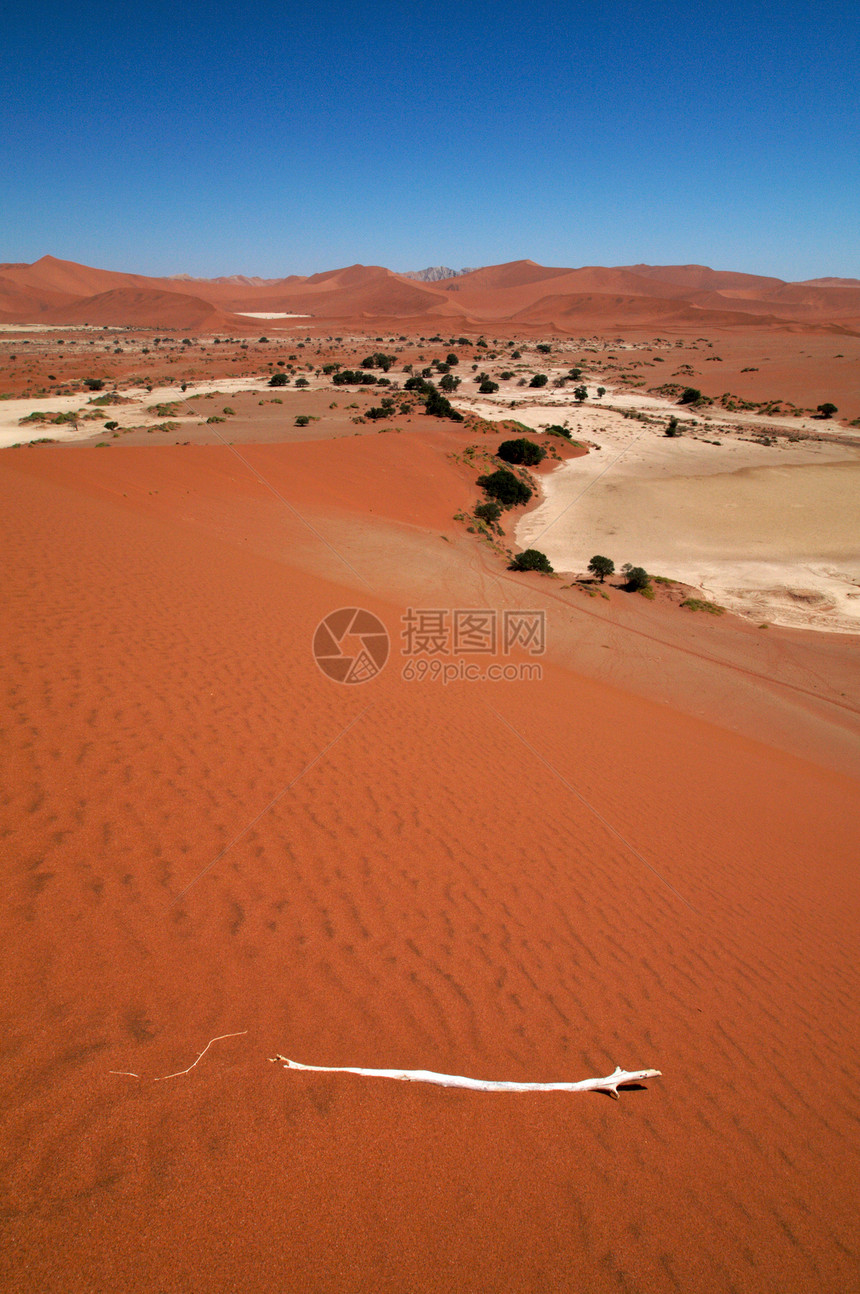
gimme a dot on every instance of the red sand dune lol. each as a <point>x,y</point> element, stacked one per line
<point>500,293</point>
<point>702,277</point>
<point>360,291</point>
<point>147,308</point>
<point>616,311</point>
<point>203,835</point>
<point>24,305</point>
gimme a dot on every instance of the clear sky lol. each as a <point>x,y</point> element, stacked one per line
<point>276,138</point>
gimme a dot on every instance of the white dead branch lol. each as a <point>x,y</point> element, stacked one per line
<point>610,1084</point>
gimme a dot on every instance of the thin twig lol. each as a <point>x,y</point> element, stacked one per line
<point>180,1072</point>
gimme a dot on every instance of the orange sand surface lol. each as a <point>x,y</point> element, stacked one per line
<point>647,858</point>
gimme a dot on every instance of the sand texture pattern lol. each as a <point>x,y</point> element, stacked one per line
<point>203,836</point>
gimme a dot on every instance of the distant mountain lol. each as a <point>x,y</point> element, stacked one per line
<point>239,280</point>
<point>434,274</point>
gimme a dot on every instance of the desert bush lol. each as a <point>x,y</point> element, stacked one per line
<point>378,360</point>
<point>636,576</point>
<point>521,451</point>
<point>351,377</point>
<point>506,488</point>
<point>690,395</point>
<point>489,512</point>
<point>700,604</point>
<point>487,386</point>
<point>539,379</point>
<point>531,560</point>
<point>557,430</point>
<point>438,407</point>
<point>93,383</point>
<point>673,428</point>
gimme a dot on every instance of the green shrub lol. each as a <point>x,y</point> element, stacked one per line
<point>506,488</point>
<point>278,379</point>
<point>302,419</point>
<point>531,560</point>
<point>349,377</point>
<point>690,395</point>
<point>521,451</point>
<point>673,428</point>
<point>489,512</point>
<point>636,576</point>
<point>93,383</point>
<point>487,386</point>
<point>556,430</point>
<point>700,604</point>
<point>539,379</point>
<point>438,407</point>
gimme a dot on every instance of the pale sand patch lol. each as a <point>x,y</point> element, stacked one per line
<point>136,413</point>
<point>270,314</point>
<point>777,542</point>
<point>770,531</point>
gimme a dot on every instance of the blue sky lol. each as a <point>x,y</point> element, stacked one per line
<point>276,138</point>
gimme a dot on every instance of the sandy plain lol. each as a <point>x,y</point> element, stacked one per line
<point>646,857</point>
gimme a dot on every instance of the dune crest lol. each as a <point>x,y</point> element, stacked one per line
<point>54,291</point>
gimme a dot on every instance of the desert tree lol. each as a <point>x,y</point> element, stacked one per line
<point>601,566</point>
<point>531,560</point>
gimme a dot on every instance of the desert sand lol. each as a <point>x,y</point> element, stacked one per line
<point>214,854</point>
